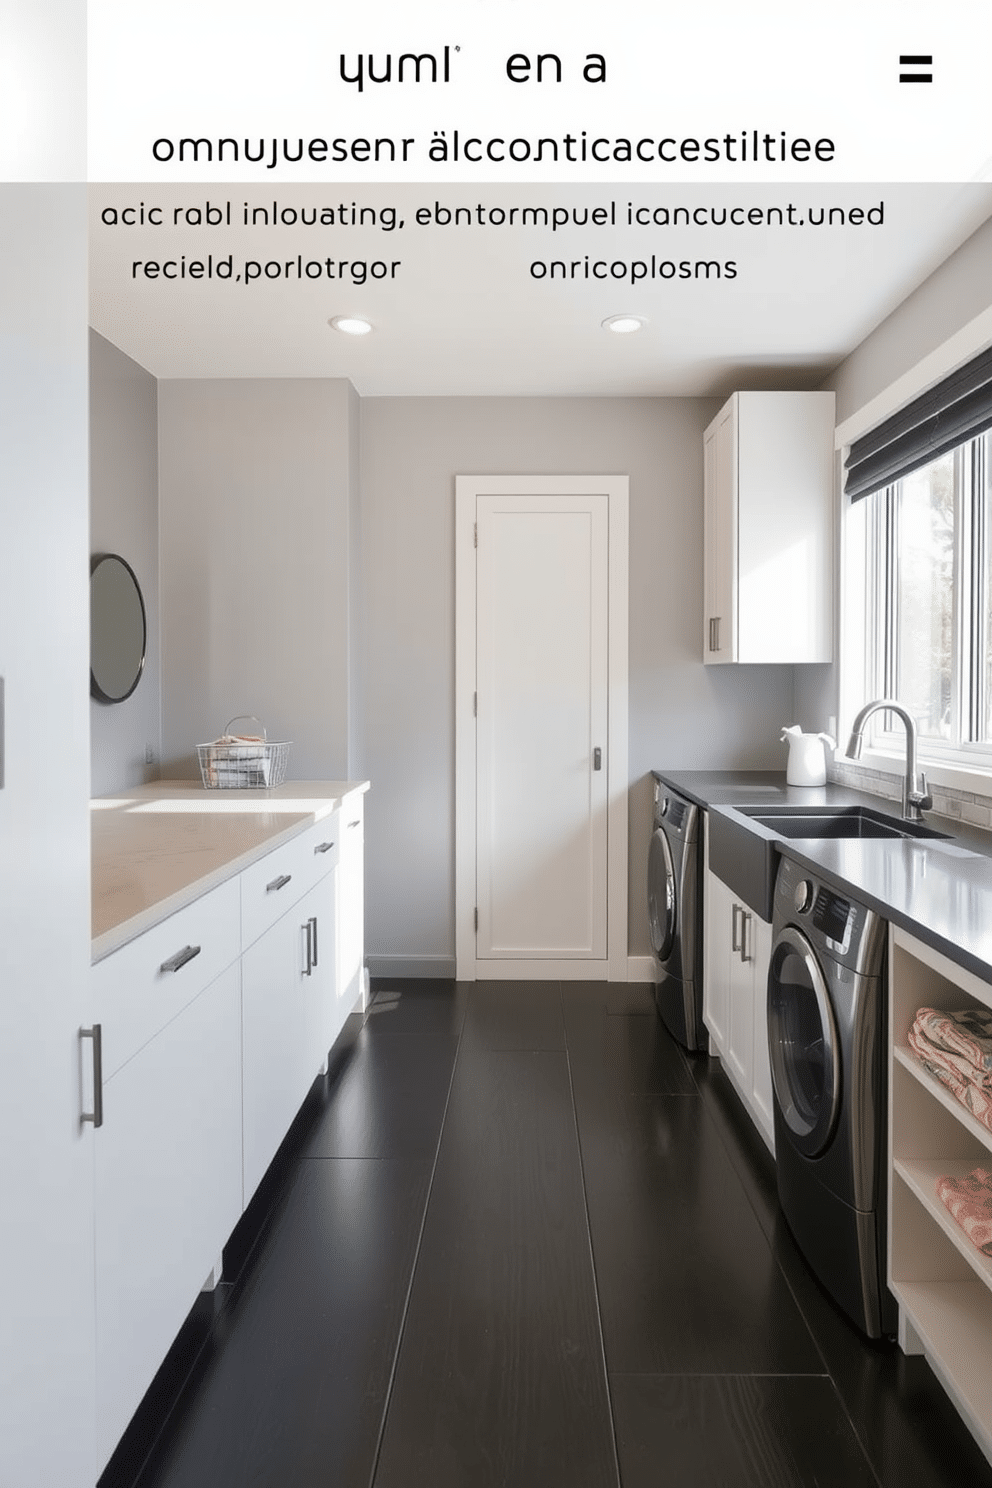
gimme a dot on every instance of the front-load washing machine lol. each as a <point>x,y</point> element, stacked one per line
<point>826,1038</point>
<point>675,908</point>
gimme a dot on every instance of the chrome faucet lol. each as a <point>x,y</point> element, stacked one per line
<point>916,798</point>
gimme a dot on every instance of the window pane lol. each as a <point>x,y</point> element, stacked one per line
<point>925,597</point>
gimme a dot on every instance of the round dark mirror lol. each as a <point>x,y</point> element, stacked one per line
<point>118,629</point>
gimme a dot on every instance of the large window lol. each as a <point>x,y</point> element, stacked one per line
<point>927,637</point>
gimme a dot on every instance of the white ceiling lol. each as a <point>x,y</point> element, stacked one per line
<point>465,316</point>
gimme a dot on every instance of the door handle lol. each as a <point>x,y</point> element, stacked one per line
<point>745,921</point>
<point>735,944</point>
<point>597,758</point>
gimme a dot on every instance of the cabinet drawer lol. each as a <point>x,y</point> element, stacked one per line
<point>140,988</point>
<point>277,881</point>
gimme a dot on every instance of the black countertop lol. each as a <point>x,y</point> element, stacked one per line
<point>939,891</point>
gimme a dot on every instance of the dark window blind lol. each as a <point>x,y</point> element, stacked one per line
<point>957,409</point>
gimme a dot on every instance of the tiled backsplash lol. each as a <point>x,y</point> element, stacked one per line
<point>957,805</point>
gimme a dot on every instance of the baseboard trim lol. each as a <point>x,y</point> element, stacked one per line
<point>436,968</point>
<point>442,968</point>
<point>640,968</point>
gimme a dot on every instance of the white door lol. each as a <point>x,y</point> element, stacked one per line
<point>541,830</point>
<point>542,680</point>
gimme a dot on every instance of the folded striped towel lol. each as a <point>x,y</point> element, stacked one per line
<point>969,1200</point>
<point>966,1034</point>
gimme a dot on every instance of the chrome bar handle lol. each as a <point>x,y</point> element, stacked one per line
<point>307,932</point>
<point>180,958</point>
<point>597,758</point>
<point>745,921</point>
<point>323,847</point>
<point>356,823</point>
<point>313,922</point>
<point>278,883</point>
<point>735,944</point>
<point>95,1035</point>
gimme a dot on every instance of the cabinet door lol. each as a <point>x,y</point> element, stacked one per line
<point>716,962</point>
<point>761,1074</point>
<point>740,1031</point>
<point>327,1003</point>
<point>284,1025</point>
<point>168,1192</point>
<point>351,904</point>
<point>720,536</point>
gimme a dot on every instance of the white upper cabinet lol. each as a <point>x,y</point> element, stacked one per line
<point>768,529</point>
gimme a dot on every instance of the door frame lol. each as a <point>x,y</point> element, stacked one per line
<point>616,489</point>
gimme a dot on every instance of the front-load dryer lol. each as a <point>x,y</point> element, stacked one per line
<point>675,908</point>
<point>826,1039</point>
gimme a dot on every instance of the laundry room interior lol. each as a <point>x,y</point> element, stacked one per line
<point>629,807</point>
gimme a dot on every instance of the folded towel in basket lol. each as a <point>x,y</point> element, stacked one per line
<point>942,1065</point>
<point>966,1034</point>
<point>969,1200</point>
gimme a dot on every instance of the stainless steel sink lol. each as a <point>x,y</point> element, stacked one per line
<point>743,840</point>
<point>834,822</point>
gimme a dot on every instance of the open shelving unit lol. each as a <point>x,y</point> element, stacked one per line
<point>940,1279</point>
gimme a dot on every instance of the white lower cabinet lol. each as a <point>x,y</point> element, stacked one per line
<point>215,1023</point>
<point>941,1281</point>
<point>737,953</point>
<point>288,993</point>
<point>351,902</point>
<point>168,1192</point>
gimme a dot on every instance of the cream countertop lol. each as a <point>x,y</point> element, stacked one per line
<point>158,847</point>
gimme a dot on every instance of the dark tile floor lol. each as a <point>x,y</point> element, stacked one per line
<point>518,1238</point>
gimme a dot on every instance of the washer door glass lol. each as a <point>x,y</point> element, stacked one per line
<point>661,895</point>
<point>802,1043</point>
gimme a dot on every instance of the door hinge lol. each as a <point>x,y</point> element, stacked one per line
<point>477,917</point>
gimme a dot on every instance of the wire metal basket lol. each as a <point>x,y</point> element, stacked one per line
<point>243,762</point>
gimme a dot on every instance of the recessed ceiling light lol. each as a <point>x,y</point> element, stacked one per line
<point>624,324</point>
<point>351,325</point>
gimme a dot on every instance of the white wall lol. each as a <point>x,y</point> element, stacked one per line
<point>682,715</point>
<point>257,491</point>
<point>124,520</point>
<point>46,1158</point>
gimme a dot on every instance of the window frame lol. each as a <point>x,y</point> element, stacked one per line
<point>869,652</point>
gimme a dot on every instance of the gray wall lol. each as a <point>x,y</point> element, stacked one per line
<point>682,715</point>
<point>954,294</point>
<point>258,491</point>
<point>958,291</point>
<point>124,520</point>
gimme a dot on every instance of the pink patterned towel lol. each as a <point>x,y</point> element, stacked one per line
<point>945,1068</point>
<point>966,1034</point>
<point>970,1202</point>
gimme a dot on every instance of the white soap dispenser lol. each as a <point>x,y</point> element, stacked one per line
<point>807,757</point>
